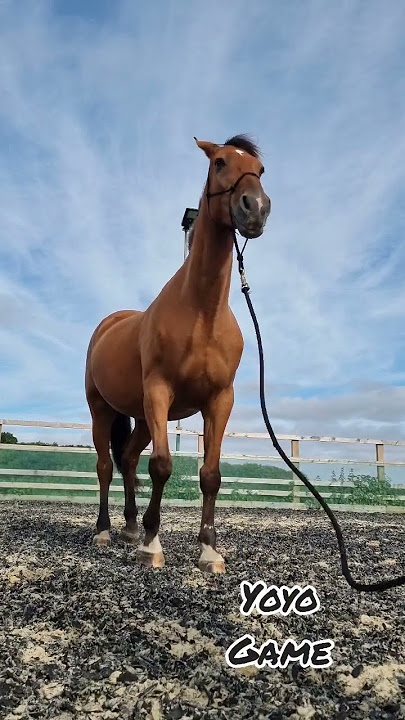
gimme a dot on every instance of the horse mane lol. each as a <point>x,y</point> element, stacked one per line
<point>244,142</point>
<point>191,231</point>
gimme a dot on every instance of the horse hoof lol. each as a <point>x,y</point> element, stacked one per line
<point>215,567</point>
<point>148,559</point>
<point>103,539</point>
<point>128,537</point>
<point>211,561</point>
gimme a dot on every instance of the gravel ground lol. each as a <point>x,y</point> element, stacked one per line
<point>87,633</point>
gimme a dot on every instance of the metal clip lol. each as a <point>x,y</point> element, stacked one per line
<point>244,282</point>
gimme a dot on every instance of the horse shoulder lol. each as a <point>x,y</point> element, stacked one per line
<point>233,332</point>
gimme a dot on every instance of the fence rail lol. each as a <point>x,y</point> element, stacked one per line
<point>80,485</point>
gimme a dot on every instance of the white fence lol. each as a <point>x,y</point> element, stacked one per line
<point>41,483</point>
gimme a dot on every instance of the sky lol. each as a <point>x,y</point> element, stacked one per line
<point>100,103</point>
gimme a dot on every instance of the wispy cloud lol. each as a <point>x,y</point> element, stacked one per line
<point>100,105</point>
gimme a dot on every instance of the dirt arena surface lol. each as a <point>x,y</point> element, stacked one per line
<point>87,633</point>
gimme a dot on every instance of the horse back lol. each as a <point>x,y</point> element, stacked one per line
<point>108,322</point>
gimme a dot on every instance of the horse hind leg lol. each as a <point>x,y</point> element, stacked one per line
<point>128,463</point>
<point>103,418</point>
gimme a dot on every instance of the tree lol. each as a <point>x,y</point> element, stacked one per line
<point>9,438</point>
<point>333,476</point>
<point>342,476</point>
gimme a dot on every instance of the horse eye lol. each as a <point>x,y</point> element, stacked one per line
<point>261,171</point>
<point>219,163</point>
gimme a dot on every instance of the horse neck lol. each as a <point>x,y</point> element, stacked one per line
<point>209,264</point>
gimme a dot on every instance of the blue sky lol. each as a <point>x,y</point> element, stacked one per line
<point>100,103</point>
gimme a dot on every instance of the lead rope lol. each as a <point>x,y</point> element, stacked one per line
<point>372,587</point>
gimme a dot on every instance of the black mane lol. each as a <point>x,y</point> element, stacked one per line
<point>243,142</point>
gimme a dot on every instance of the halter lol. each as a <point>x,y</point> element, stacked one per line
<point>229,190</point>
<point>239,253</point>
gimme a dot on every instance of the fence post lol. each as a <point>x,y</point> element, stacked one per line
<point>178,427</point>
<point>379,456</point>
<point>200,461</point>
<point>1,429</point>
<point>295,453</point>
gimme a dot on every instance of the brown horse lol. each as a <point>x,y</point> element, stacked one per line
<point>177,358</point>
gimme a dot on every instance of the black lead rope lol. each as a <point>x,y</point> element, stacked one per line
<point>372,587</point>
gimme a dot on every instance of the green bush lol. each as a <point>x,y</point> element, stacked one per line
<point>369,490</point>
<point>366,490</point>
<point>8,438</point>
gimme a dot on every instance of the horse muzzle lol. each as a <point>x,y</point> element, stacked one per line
<point>251,213</point>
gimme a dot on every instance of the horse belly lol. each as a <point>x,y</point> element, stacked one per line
<point>116,370</point>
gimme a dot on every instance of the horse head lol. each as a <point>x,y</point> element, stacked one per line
<point>234,190</point>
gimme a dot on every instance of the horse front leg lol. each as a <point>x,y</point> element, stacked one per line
<point>216,415</point>
<point>157,400</point>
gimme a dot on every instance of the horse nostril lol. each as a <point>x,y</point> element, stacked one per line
<point>246,202</point>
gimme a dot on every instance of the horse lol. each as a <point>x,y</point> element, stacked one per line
<point>177,358</point>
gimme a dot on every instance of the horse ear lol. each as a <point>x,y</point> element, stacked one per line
<point>208,147</point>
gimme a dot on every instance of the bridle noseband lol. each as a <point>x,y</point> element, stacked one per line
<point>239,253</point>
<point>229,190</point>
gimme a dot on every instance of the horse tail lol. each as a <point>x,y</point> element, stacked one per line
<point>120,434</point>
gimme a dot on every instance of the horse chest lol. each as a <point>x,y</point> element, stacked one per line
<point>200,358</point>
<point>205,367</point>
